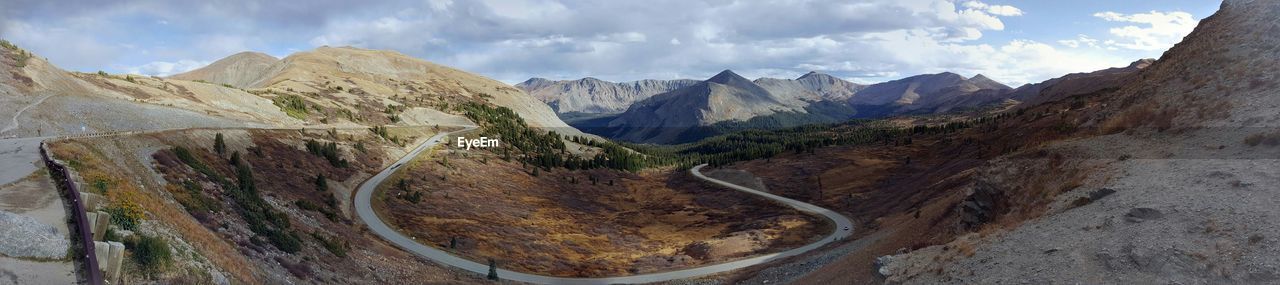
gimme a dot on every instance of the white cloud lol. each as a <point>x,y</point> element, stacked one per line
<point>1015,62</point>
<point>998,10</point>
<point>1154,31</point>
<point>162,68</point>
<point>1079,41</point>
<point>510,40</point>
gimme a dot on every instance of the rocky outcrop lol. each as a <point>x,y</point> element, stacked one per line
<point>979,207</point>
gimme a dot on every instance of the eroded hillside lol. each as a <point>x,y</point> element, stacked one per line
<point>261,207</point>
<point>1153,176</point>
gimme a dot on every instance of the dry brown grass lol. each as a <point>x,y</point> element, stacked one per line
<point>550,224</point>
<point>1150,114</point>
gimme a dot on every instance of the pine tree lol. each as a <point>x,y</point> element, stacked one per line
<point>219,144</point>
<point>493,269</point>
<point>321,184</point>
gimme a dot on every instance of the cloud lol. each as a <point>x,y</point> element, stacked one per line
<point>161,68</point>
<point>511,40</point>
<point>1079,41</point>
<point>998,10</point>
<point>514,40</point>
<point>1154,30</point>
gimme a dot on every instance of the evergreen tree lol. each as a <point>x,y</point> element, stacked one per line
<point>219,144</point>
<point>321,184</point>
<point>493,269</point>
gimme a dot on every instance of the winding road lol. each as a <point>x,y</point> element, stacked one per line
<point>364,209</point>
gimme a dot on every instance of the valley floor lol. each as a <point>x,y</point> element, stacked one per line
<point>583,223</point>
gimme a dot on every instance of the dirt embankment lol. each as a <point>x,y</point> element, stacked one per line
<point>582,223</point>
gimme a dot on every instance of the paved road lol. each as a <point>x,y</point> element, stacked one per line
<point>365,210</point>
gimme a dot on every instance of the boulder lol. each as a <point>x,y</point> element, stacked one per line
<point>882,265</point>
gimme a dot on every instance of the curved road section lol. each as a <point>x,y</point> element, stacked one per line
<point>365,210</point>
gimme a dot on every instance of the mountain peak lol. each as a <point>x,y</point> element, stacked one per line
<point>812,74</point>
<point>726,76</point>
<point>591,79</point>
<point>1142,63</point>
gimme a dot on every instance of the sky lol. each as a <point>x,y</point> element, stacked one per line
<point>870,41</point>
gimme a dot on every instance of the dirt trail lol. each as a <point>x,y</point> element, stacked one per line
<point>14,124</point>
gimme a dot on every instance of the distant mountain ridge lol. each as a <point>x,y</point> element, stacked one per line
<point>726,96</point>
<point>728,99</point>
<point>1076,83</point>
<point>591,95</point>
<point>812,86</point>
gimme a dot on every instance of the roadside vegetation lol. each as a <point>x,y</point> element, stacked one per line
<point>152,253</point>
<point>292,105</point>
<point>262,218</point>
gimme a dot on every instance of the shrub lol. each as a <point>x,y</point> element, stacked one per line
<point>333,245</point>
<point>307,205</point>
<point>126,214</point>
<point>1268,139</point>
<point>327,150</point>
<point>151,253</point>
<point>100,185</point>
<point>292,105</point>
<point>192,197</point>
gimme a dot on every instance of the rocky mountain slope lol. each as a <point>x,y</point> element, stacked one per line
<point>594,96</point>
<point>240,70</point>
<point>341,87</point>
<point>41,99</point>
<point>1076,83</point>
<point>813,86</point>
<point>1157,180</point>
<point>928,93</point>
<point>779,103</point>
<point>725,97</point>
<point>363,86</point>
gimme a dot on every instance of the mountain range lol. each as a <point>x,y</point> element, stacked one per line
<point>728,102</point>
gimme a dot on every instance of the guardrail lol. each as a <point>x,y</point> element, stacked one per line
<point>61,176</point>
